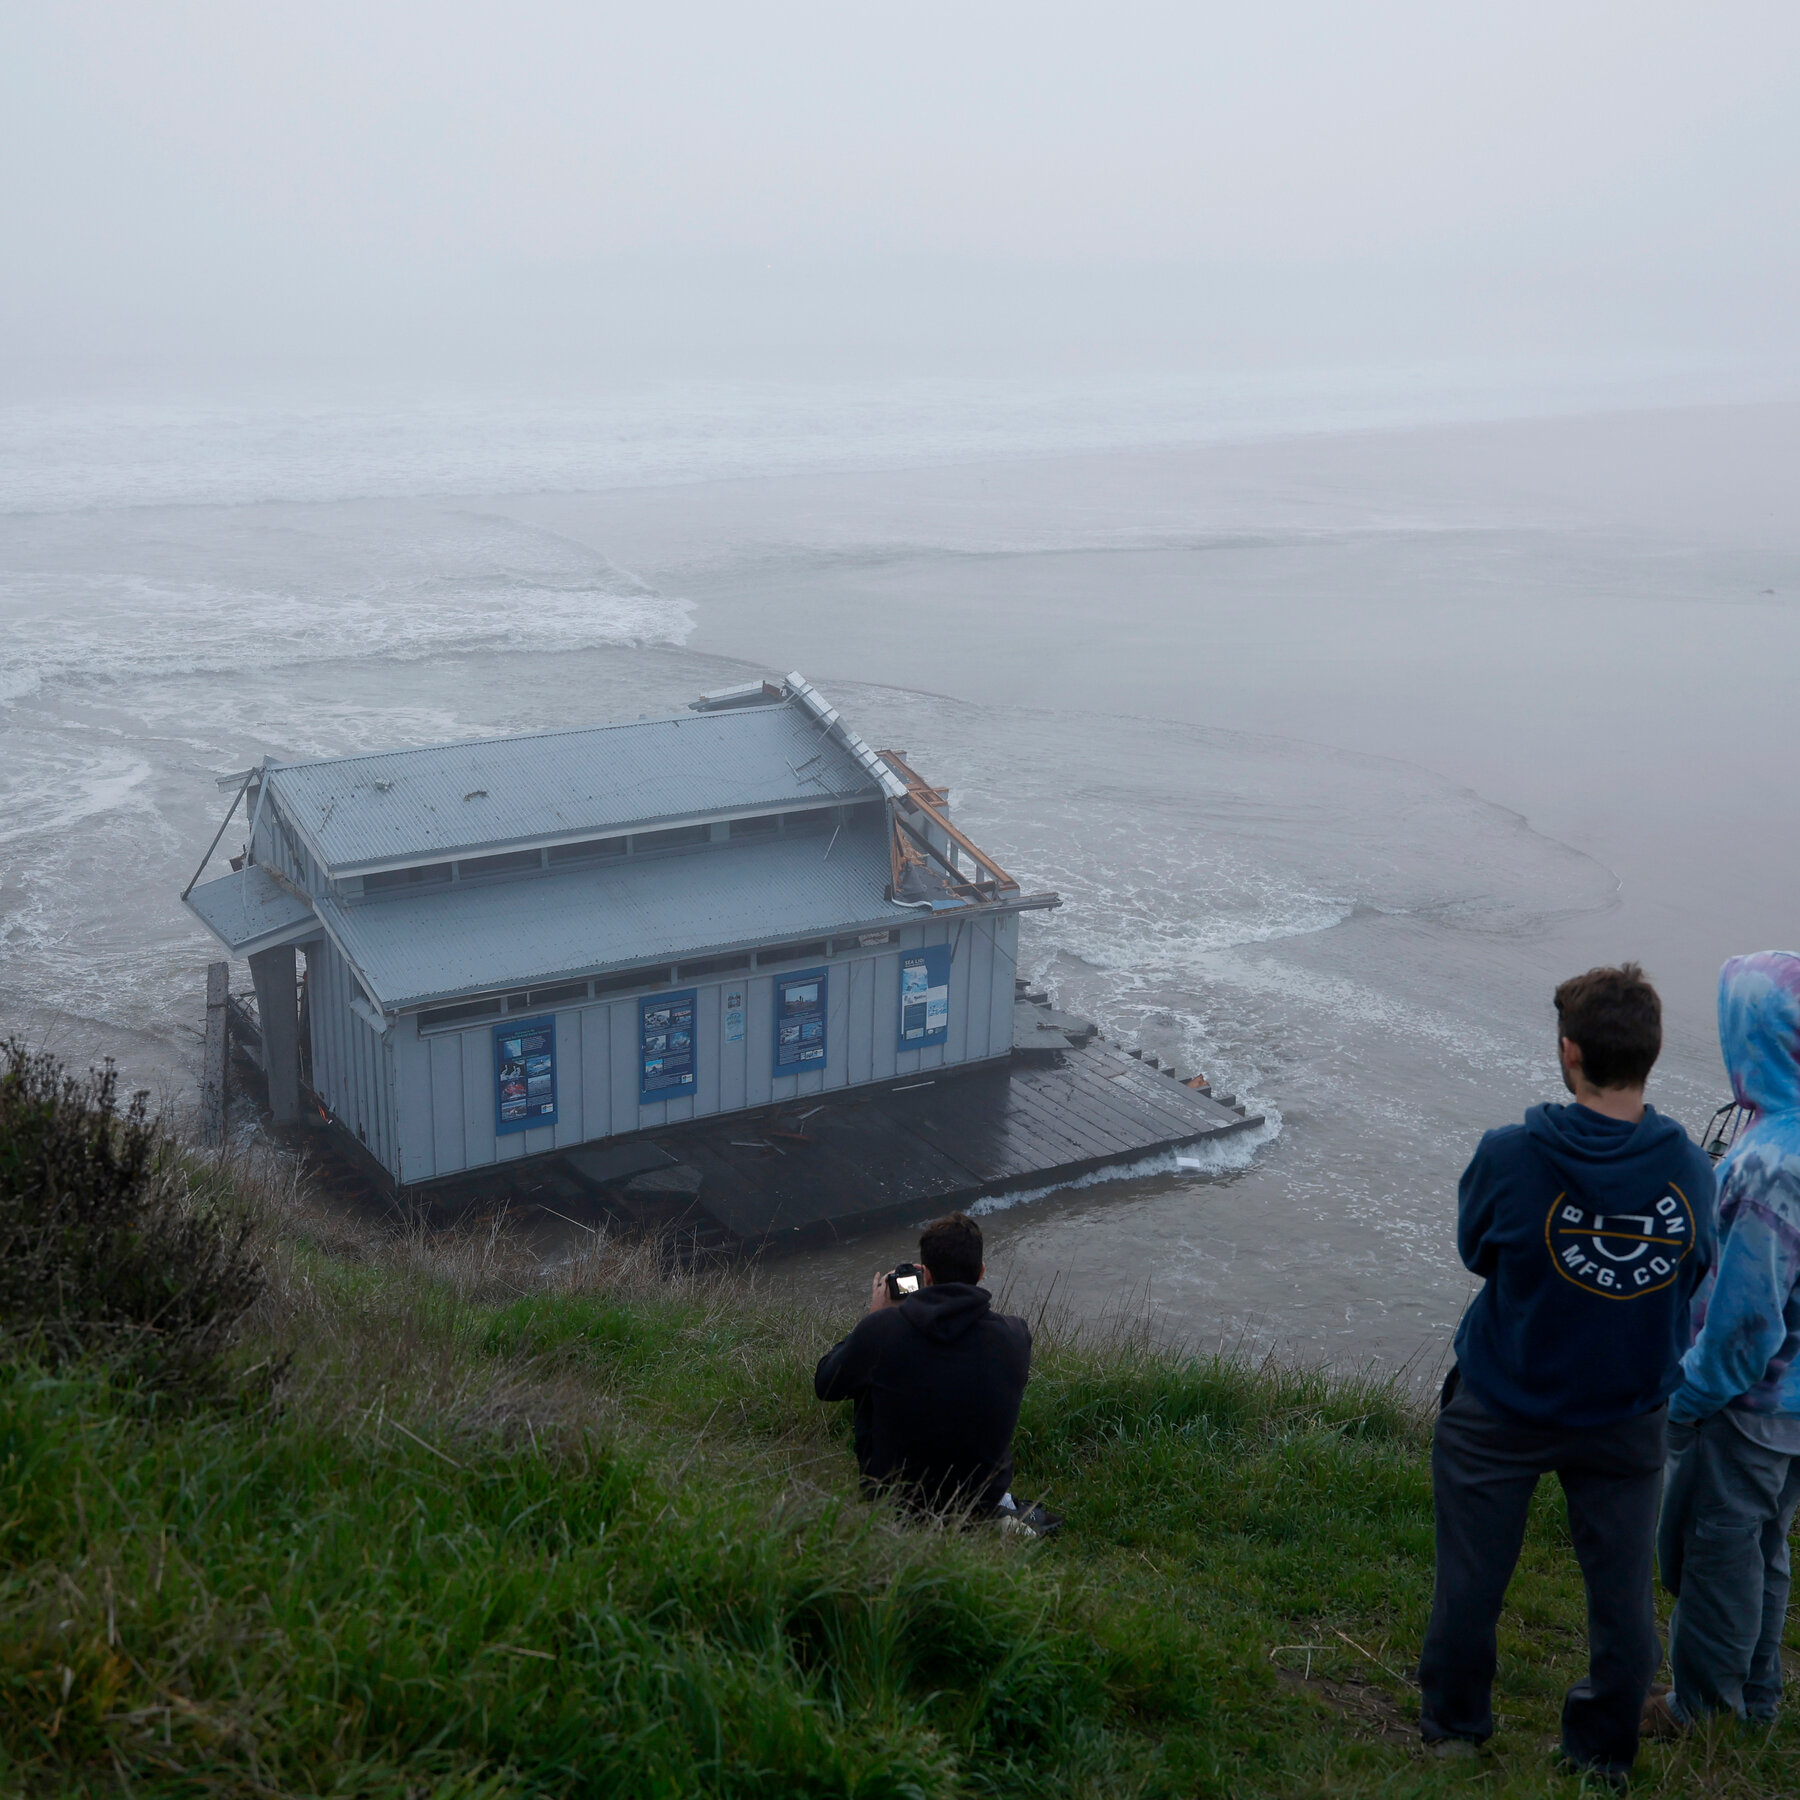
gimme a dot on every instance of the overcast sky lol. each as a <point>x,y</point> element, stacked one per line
<point>1298,179</point>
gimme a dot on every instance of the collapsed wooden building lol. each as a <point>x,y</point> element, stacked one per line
<point>515,947</point>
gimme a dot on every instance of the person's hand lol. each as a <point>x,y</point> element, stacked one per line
<point>879,1296</point>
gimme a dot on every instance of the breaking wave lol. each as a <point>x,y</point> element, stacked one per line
<point>1194,1162</point>
<point>88,602</point>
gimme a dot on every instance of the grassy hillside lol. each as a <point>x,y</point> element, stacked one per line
<point>460,1525</point>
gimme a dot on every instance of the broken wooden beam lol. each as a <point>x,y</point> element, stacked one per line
<point>215,1056</point>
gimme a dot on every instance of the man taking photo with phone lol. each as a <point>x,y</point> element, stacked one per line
<point>937,1378</point>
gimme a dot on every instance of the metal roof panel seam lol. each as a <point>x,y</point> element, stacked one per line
<point>438,945</point>
<point>366,811</point>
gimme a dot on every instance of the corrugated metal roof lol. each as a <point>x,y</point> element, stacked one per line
<point>439,944</point>
<point>251,909</point>
<point>386,808</point>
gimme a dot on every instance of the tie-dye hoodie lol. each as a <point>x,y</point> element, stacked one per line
<point>1747,1312</point>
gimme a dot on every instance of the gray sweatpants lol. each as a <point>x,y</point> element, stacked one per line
<point>1728,1505</point>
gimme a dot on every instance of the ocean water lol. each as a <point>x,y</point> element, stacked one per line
<point>1341,745</point>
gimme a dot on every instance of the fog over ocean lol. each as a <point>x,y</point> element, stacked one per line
<point>1347,716</point>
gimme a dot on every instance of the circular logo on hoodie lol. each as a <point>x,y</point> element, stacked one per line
<point>1620,1254</point>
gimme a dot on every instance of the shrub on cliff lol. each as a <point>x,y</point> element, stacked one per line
<point>107,1252</point>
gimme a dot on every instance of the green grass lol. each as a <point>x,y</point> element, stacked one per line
<point>506,1532</point>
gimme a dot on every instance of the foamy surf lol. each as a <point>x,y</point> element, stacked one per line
<point>1205,1161</point>
<point>59,799</point>
<point>92,603</point>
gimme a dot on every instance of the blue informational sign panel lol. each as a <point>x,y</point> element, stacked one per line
<point>924,997</point>
<point>524,1075</point>
<point>666,1063</point>
<point>800,1022</point>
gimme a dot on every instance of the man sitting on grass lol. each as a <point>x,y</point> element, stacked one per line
<point>1591,1224</point>
<point>937,1378</point>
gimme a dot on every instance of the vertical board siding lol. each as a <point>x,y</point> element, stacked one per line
<point>449,1152</point>
<point>623,1018</point>
<point>330,1009</point>
<point>571,1052</point>
<point>353,1072</point>
<point>759,1041</point>
<point>709,1027</point>
<point>361,1076</point>
<point>1006,969</point>
<point>443,1083</point>
<point>955,1047</point>
<point>733,1059</point>
<point>481,1143</point>
<point>859,1019</point>
<point>836,1072</point>
<point>596,1071</point>
<point>414,1105</point>
<point>885,1058</point>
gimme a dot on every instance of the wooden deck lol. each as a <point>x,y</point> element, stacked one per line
<point>838,1164</point>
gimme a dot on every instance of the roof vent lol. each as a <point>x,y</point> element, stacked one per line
<point>749,693</point>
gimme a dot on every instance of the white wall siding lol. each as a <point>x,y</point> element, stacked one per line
<point>445,1079</point>
<point>354,1068</point>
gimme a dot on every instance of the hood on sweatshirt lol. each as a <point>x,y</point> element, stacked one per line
<point>1589,1150</point>
<point>945,1310</point>
<point>1759,1030</point>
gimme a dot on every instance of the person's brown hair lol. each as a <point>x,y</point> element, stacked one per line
<point>950,1248</point>
<point>1616,1018</point>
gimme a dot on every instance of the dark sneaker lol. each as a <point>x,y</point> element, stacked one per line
<point>1661,1722</point>
<point>1033,1522</point>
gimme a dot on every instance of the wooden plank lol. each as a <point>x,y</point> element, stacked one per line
<point>1172,1095</point>
<point>995,1155</point>
<point>966,1119</point>
<point>1105,1073</point>
<point>858,1163</point>
<point>1166,1094</point>
<point>1088,1132</point>
<point>1139,1123</point>
<point>1121,1117</point>
<point>1051,1131</point>
<point>216,1060</point>
<point>1128,1097</point>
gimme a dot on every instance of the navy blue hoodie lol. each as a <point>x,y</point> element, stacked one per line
<point>1592,1235</point>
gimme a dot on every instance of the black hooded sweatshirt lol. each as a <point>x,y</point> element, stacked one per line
<point>937,1382</point>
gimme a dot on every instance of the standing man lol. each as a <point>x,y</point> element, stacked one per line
<point>1734,1423</point>
<point>1592,1225</point>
